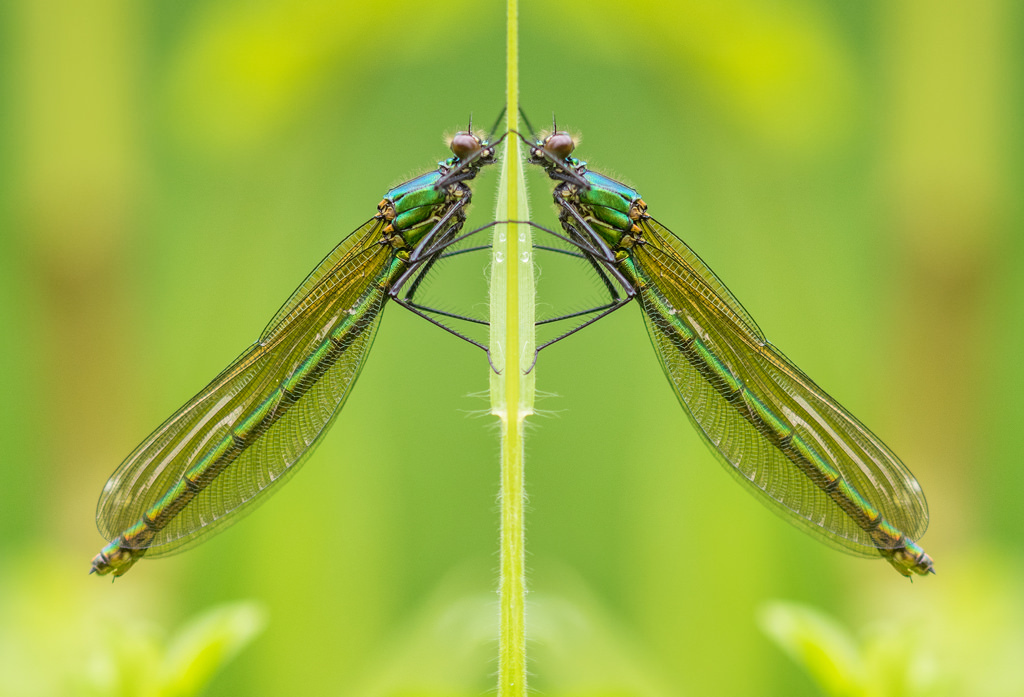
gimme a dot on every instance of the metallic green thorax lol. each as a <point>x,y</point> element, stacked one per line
<point>610,203</point>
<point>414,204</point>
<point>406,215</point>
<point>619,215</point>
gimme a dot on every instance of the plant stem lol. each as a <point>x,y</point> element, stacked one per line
<point>512,391</point>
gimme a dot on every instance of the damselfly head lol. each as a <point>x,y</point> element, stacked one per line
<point>465,145</point>
<point>552,152</point>
<point>559,145</point>
<point>471,151</point>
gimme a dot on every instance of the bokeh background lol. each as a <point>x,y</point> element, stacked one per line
<point>170,170</point>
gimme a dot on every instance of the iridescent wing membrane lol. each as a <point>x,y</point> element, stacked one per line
<point>726,330</point>
<point>771,426</point>
<point>325,298</point>
<point>254,424</point>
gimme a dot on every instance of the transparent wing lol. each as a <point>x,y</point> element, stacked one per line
<point>323,279</point>
<point>847,445</point>
<point>701,279</point>
<point>327,297</point>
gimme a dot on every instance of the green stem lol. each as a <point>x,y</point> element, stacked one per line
<point>512,391</point>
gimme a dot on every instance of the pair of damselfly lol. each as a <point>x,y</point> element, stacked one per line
<point>771,426</point>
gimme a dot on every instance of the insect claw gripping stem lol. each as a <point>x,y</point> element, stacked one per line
<point>593,255</point>
<point>430,248</point>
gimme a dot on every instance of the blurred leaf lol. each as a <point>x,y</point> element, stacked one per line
<point>206,644</point>
<point>896,663</point>
<point>818,643</point>
<point>963,635</point>
<point>63,633</point>
<point>894,659</point>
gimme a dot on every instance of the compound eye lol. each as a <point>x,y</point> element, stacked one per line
<point>465,145</point>
<point>559,144</point>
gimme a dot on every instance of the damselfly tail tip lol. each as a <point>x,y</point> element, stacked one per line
<point>909,559</point>
<point>115,559</point>
<point>99,565</point>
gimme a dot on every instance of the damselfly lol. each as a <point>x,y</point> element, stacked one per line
<point>771,426</point>
<point>251,428</point>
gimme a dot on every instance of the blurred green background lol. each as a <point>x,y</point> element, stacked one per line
<point>170,171</point>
